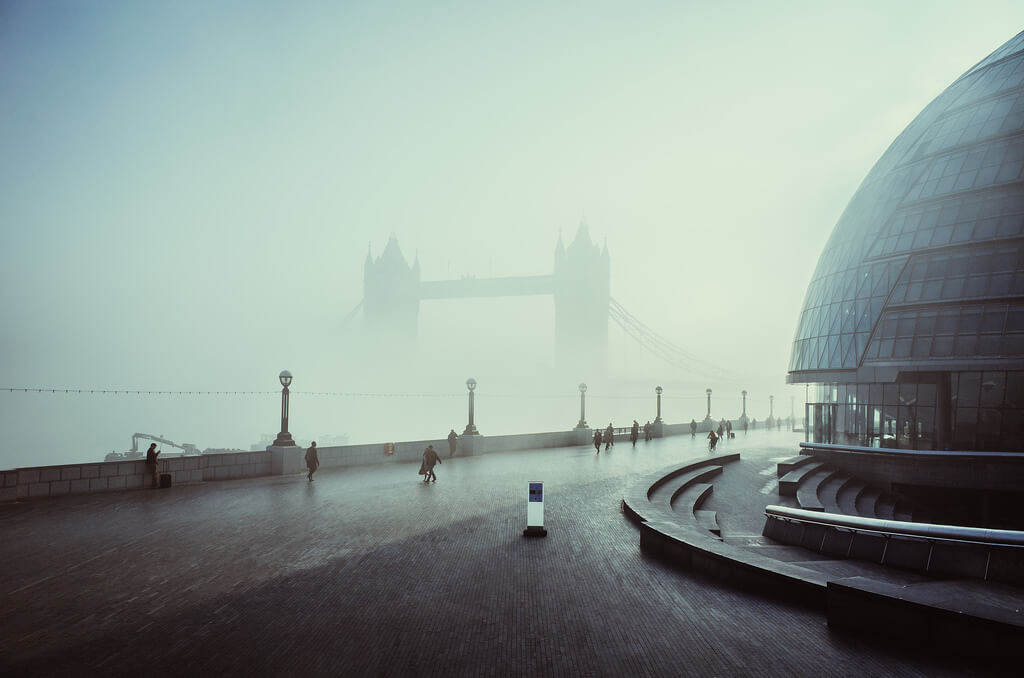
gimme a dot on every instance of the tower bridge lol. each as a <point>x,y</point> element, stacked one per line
<point>579,285</point>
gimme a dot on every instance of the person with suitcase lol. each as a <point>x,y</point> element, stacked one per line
<point>151,457</point>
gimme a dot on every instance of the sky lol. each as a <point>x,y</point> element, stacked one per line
<point>188,192</point>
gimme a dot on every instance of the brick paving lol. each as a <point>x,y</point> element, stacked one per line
<point>369,572</point>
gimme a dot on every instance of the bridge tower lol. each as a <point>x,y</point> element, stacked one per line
<point>582,289</point>
<point>391,295</point>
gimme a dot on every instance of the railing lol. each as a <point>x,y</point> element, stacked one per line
<point>889,529</point>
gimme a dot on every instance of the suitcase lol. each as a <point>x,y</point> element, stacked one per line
<point>165,480</point>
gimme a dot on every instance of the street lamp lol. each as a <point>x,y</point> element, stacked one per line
<point>658,390</point>
<point>470,427</point>
<point>284,439</point>
<point>583,406</point>
<point>708,416</point>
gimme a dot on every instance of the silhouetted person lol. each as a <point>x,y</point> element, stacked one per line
<point>429,459</point>
<point>744,427</point>
<point>151,455</point>
<point>609,436</point>
<point>712,441</point>
<point>634,432</point>
<point>693,428</point>
<point>453,438</point>
<point>728,428</point>
<point>719,431</point>
<point>312,460</point>
<point>597,440</point>
<point>648,431</point>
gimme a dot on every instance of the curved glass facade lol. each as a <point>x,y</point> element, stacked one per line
<point>921,284</point>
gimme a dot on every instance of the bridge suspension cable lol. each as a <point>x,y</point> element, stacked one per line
<point>660,347</point>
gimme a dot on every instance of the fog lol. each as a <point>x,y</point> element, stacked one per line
<point>188,193</point>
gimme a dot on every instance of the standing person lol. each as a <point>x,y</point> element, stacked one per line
<point>597,440</point>
<point>634,432</point>
<point>693,428</point>
<point>647,432</point>
<point>452,438</point>
<point>151,455</point>
<point>609,436</point>
<point>744,427</point>
<point>728,428</point>
<point>429,459</point>
<point>312,460</point>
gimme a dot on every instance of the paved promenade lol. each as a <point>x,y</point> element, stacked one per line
<point>369,572</point>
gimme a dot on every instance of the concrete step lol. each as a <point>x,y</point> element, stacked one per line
<point>789,483</point>
<point>788,465</point>
<point>847,497</point>
<point>867,500</point>
<point>828,492</point>
<point>807,492</point>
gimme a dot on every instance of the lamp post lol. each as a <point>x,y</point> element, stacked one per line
<point>743,417</point>
<point>658,390</point>
<point>470,427</point>
<point>771,410</point>
<point>284,438</point>
<point>583,406</point>
<point>708,416</point>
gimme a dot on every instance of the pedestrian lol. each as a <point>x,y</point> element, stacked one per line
<point>151,456</point>
<point>647,431</point>
<point>453,438</point>
<point>634,432</point>
<point>597,440</point>
<point>712,441</point>
<point>693,428</point>
<point>744,427</point>
<point>312,460</point>
<point>609,436</point>
<point>728,428</point>
<point>429,459</point>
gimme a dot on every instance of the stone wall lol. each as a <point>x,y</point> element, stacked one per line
<point>55,481</point>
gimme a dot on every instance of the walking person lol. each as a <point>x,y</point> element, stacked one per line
<point>312,461</point>
<point>151,456</point>
<point>634,432</point>
<point>693,428</point>
<point>609,436</point>
<point>597,440</point>
<point>430,458</point>
<point>453,438</point>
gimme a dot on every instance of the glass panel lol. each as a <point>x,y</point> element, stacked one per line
<point>968,392</point>
<point>993,385</point>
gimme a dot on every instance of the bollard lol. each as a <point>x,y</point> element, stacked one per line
<point>535,512</point>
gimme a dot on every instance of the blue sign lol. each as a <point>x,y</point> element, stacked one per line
<point>537,492</point>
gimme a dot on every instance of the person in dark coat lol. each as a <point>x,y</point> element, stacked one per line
<point>609,436</point>
<point>634,432</point>
<point>151,455</point>
<point>597,440</point>
<point>453,437</point>
<point>312,460</point>
<point>429,459</point>
<point>693,428</point>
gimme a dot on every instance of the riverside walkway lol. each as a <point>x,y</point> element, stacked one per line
<point>368,571</point>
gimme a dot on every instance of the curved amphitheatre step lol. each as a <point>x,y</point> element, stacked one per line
<point>828,492</point>
<point>807,491</point>
<point>653,496</point>
<point>848,494</point>
<point>792,479</point>
<point>867,499</point>
<point>784,467</point>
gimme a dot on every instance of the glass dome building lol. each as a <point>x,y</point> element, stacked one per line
<point>912,329</point>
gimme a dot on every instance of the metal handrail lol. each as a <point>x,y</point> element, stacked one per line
<point>893,528</point>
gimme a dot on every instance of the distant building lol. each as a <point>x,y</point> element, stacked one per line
<point>912,329</point>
